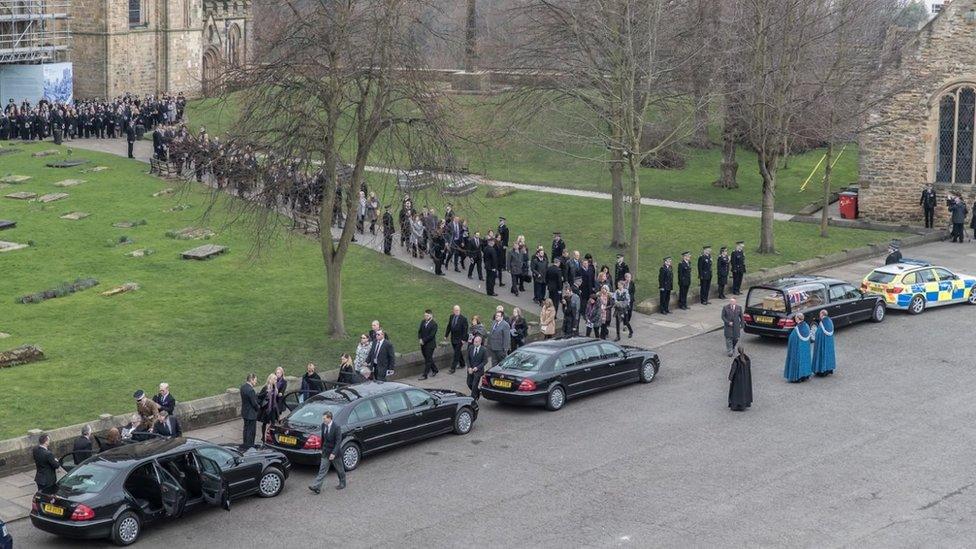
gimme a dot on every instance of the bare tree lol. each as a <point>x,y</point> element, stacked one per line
<point>612,67</point>
<point>335,84</point>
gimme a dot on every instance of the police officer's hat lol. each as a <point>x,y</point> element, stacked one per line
<point>685,253</point>
<point>740,243</point>
<point>668,258</point>
<point>138,394</point>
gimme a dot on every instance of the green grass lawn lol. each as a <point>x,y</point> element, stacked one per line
<point>549,152</point>
<point>201,326</point>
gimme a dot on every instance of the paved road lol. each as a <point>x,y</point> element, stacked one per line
<point>878,455</point>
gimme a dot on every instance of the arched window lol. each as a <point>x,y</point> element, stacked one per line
<point>234,45</point>
<point>956,143</point>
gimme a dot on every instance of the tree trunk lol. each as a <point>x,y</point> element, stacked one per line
<point>767,168</point>
<point>471,37</point>
<point>828,158</point>
<point>786,153</point>
<point>617,239</point>
<point>333,276</point>
<point>701,139</point>
<point>729,167</point>
<point>635,216</point>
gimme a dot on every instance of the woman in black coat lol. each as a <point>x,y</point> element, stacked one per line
<point>740,383</point>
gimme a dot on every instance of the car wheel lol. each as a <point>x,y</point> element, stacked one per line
<point>271,483</point>
<point>647,372</point>
<point>463,421</point>
<point>351,455</point>
<point>972,296</point>
<point>556,398</point>
<point>126,529</point>
<point>917,305</point>
<point>879,312</point>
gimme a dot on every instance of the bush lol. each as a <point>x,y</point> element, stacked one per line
<point>670,157</point>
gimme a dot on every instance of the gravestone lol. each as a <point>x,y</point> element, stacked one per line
<point>124,225</point>
<point>13,179</point>
<point>460,186</point>
<point>48,152</point>
<point>191,233</point>
<point>52,197</point>
<point>69,182</point>
<point>127,287</point>
<point>4,335</point>
<point>415,180</point>
<point>141,252</point>
<point>206,251</point>
<point>70,163</point>
<point>7,150</point>
<point>177,208</point>
<point>95,169</point>
<point>21,355</point>
<point>10,246</point>
<point>22,195</point>
<point>163,192</point>
<point>75,216</point>
<point>4,224</point>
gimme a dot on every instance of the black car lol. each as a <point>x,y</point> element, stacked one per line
<point>113,494</point>
<point>373,416</point>
<point>770,308</point>
<point>6,541</point>
<point>546,373</point>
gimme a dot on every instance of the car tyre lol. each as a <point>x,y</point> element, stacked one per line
<point>647,372</point>
<point>917,305</point>
<point>463,421</point>
<point>972,296</point>
<point>271,483</point>
<point>878,314</point>
<point>351,456</point>
<point>126,529</point>
<point>556,398</point>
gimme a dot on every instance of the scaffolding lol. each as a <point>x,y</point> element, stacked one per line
<point>33,31</point>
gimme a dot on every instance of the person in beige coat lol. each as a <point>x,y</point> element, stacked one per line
<point>547,319</point>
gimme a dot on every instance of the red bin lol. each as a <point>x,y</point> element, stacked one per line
<point>848,205</point>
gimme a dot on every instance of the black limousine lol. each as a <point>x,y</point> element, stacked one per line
<point>113,494</point>
<point>547,373</point>
<point>373,416</point>
<point>770,308</point>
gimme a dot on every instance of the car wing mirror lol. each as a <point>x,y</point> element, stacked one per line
<point>238,460</point>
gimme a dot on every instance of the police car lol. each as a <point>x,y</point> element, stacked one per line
<point>914,285</point>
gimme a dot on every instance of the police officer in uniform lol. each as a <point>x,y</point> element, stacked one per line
<point>894,253</point>
<point>387,230</point>
<point>738,267</point>
<point>665,280</point>
<point>684,280</point>
<point>705,273</point>
<point>927,202</point>
<point>722,269</point>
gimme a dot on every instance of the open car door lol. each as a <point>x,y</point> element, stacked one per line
<point>67,462</point>
<point>294,399</point>
<point>171,493</point>
<point>212,482</point>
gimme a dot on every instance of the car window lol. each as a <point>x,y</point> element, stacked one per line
<point>806,296</point>
<point>89,478</point>
<point>837,292</point>
<point>311,412</point>
<point>910,278</point>
<point>926,275</point>
<point>209,466</point>
<point>850,292</point>
<point>362,412</point>
<point>610,351</point>
<point>588,353</point>
<point>527,360</point>
<point>566,359</point>
<point>944,274</point>
<point>395,402</point>
<point>419,399</point>
<point>766,299</point>
<point>879,277</point>
<point>223,457</point>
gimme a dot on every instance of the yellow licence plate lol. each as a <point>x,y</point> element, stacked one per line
<point>876,288</point>
<point>291,441</point>
<point>764,319</point>
<point>501,383</point>
<point>53,510</point>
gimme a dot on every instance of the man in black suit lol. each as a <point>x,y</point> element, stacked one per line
<point>331,454</point>
<point>704,274</point>
<point>490,254</point>
<point>684,280</point>
<point>130,135</point>
<point>168,426</point>
<point>457,331</point>
<point>249,409</point>
<point>927,202</point>
<point>738,265</point>
<point>165,399</point>
<point>82,448</point>
<point>477,359</point>
<point>47,465</point>
<point>665,281</point>
<point>474,254</point>
<point>427,334</point>
<point>554,282</point>
<point>381,357</point>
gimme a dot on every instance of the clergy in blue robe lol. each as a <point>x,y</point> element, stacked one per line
<point>824,359</point>
<point>798,352</point>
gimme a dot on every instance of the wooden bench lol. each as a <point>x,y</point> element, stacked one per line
<point>163,168</point>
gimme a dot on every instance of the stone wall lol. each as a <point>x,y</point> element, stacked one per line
<point>898,157</point>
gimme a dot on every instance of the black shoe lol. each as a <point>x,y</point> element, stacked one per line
<point>452,370</point>
<point>316,490</point>
<point>617,339</point>
<point>457,270</point>
<point>435,373</point>
<point>630,335</point>
<point>341,486</point>
<point>493,295</point>
<point>421,378</point>
<point>500,285</point>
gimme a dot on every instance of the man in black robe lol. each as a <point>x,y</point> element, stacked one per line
<point>740,383</point>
